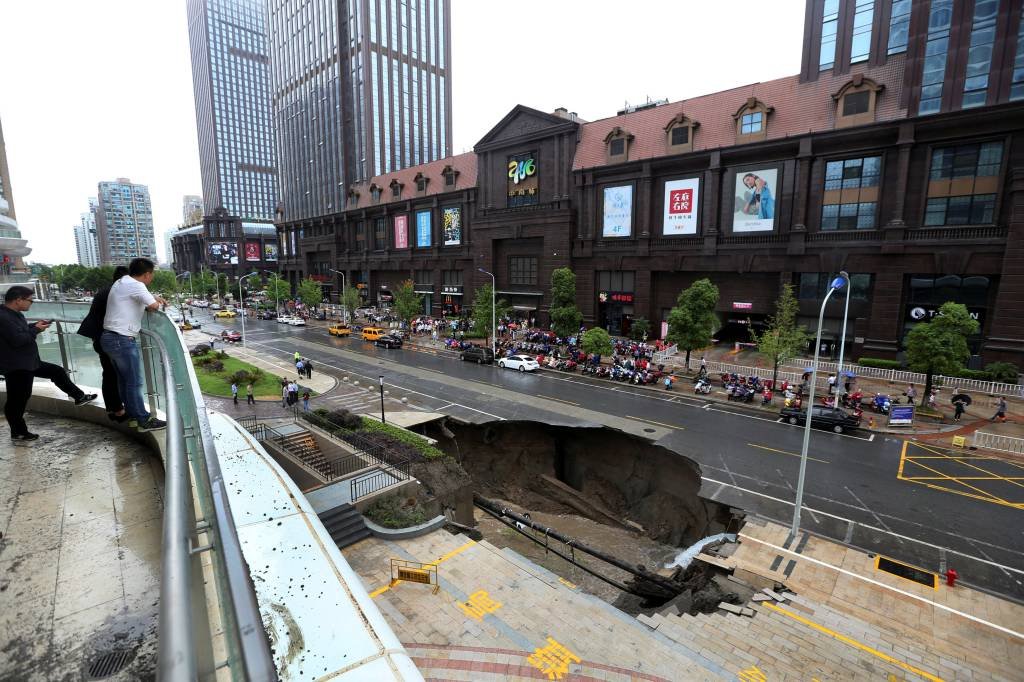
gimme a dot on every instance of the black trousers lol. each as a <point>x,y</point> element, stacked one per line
<point>19,390</point>
<point>111,393</point>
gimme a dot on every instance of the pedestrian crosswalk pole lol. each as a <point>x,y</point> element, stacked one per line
<point>382,400</point>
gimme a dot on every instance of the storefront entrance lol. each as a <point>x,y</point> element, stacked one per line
<point>615,312</point>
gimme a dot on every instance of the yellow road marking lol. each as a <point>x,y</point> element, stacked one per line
<point>784,452</point>
<point>945,477</point>
<point>442,559</point>
<point>651,421</point>
<point>852,642</point>
<point>969,478</point>
<point>980,494</point>
<point>985,471</point>
<point>548,397</point>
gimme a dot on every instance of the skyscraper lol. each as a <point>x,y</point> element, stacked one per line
<point>124,222</point>
<point>191,210</point>
<point>230,80</point>
<point>12,247</point>
<point>359,88</point>
<point>86,241</point>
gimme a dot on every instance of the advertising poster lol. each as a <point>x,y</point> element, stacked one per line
<point>401,232</point>
<point>901,415</point>
<point>223,253</point>
<point>618,211</point>
<point>681,206</point>
<point>452,226</point>
<point>423,229</point>
<point>252,251</point>
<point>755,200</point>
<point>269,252</point>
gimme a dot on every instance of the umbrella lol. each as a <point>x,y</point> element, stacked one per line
<point>962,397</point>
<point>808,370</point>
<point>850,375</point>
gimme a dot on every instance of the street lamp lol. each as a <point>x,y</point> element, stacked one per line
<point>179,293</point>
<point>838,283</point>
<point>241,302</point>
<point>344,305</point>
<point>842,344</point>
<point>494,326</point>
<point>382,399</point>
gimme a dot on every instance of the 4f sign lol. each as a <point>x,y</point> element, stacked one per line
<point>520,170</point>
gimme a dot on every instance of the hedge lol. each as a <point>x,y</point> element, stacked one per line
<point>879,363</point>
<point>407,437</point>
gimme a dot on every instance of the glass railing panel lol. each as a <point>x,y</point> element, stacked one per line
<point>62,345</point>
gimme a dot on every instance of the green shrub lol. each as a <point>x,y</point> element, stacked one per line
<point>246,376</point>
<point>213,366</point>
<point>221,355</point>
<point>409,438</point>
<point>879,363</point>
<point>200,350</point>
<point>977,374</point>
<point>345,419</point>
<point>1005,372</point>
<point>395,511</point>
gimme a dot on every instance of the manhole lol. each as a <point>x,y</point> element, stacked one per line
<point>907,572</point>
<point>110,663</point>
<point>649,430</point>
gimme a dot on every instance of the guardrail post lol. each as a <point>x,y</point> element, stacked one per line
<point>63,349</point>
<point>148,371</point>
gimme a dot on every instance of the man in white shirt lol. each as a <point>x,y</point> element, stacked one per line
<point>128,301</point>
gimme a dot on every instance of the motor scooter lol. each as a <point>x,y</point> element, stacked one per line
<point>881,403</point>
<point>702,386</point>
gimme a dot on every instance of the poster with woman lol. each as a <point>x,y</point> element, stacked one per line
<point>755,200</point>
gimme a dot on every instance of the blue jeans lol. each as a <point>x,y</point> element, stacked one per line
<point>123,351</point>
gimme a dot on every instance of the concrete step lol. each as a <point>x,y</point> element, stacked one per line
<point>345,525</point>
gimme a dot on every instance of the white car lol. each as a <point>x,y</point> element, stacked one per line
<point>523,363</point>
<point>284,319</point>
<point>296,322</point>
<point>200,304</point>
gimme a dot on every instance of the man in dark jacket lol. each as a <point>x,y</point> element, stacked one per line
<point>92,327</point>
<point>20,363</point>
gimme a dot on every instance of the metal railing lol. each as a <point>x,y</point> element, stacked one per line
<point>992,441</point>
<point>193,481</point>
<point>661,355</point>
<point>901,376</point>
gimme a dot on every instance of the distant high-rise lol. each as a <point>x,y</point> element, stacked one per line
<point>191,210</point>
<point>86,240</point>
<point>356,94</point>
<point>229,77</point>
<point>12,247</point>
<point>124,222</point>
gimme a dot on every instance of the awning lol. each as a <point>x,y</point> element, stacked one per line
<point>521,293</point>
<point>524,307</point>
<point>425,291</point>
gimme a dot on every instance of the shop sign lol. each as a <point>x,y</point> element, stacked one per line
<point>739,305</point>
<point>926,313</point>
<point>320,278</point>
<point>615,297</point>
<point>681,206</point>
<point>901,415</point>
<point>451,290</point>
<point>523,182</point>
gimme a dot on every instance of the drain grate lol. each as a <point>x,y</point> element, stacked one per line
<point>918,575</point>
<point>110,663</point>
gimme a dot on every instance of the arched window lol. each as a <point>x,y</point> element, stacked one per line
<point>396,189</point>
<point>752,121</point>
<point>616,144</point>
<point>679,134</point>
<point>421,183</point>
<point>375,192</point>
<point>855,102</point>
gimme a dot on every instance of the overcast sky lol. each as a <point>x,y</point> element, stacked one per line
<point>98,90</point>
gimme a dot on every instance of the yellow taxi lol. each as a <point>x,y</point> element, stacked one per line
<point>372,333</point>
<point>225,313</point>
<point>339,330</point>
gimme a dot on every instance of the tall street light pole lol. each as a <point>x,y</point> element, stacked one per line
<point>494,326</point>
<point>344,305</point>
<point>838,283</point>
<point>241,302</point>
<point>382,400</point>
<point>180,308</point>
<point>842,342</point>
<point>277,305</point>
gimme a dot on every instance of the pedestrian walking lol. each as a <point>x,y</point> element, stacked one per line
<point>297,356</point>
<point>293,393</point>
<point>309,368</point>
<point>128,301</point>
<point>20,362</point>
<point>1000,410</point>
<point>911,394</point>
<point>234,392</point>
<point>305,401</point>
<point>92,328</point>
<point>958,406</point>
<point>831,383</point>
<point>300,367</point>
<point>284,394</point>
<point>249,398</point>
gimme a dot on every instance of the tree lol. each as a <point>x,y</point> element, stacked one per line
<point>482,309</point>
<point>783,339</point>
<point>310,293</point>
<point>203,284</point>
<point>692,321</point>
<point>940,345</point>
<point>278,289</point>
<point>408,304</point>
<point>163,282</point>
<point>598,341</point>
<point>349,298</point>
<point>640,329</point>
<point>565,316</point>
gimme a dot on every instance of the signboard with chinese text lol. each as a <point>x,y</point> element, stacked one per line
<point>452,226</point>
<point>523,183</point>
<point>681,206</point>
<point>901,415</point>
<point>402,231</point>
<point>618,211</point>
<point>252,251</point>
<point>738,305</point>
<point>423,229</point>
<point>624,297</point>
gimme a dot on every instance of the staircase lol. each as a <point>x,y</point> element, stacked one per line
<point>345,525</point>
<point>303,446</point>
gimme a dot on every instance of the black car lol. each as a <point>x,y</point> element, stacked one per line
<point>388,341</point>
<point>478,354</point>
<point>823,417</point>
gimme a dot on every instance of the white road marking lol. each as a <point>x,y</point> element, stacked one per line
<point>793,490</point>
<point>868,510</point>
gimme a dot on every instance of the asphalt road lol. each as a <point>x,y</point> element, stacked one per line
<point>878,492</point>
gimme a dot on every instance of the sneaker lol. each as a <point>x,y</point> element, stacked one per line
<point>25,437</point>
<point>119,419</point>
<point>86,398</point>
<point>152,424</point>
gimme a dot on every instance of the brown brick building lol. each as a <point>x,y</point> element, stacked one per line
<point>897,154</point>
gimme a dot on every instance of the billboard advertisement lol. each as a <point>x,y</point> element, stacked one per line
<point>223,253</point>
<point>618,211</point>
<point>269,252</point>
<point>252,251</point>
<point>423,229</point>
<point>401,232</point>
<point>681,206</point>
<point>452,226</point>
<point>523,183</point>
<point>755,200</point>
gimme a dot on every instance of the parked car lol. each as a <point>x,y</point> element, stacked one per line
<point>225,314</point>
<point>523,363</point>
<point>339,330</point>
<point>284,319</point>
<point>215,306</point>
<point>477,354</point>
<point>833,418</point>
<point>297,322</point>
<point>230,335</point>
<point>388,341</point>
<point>372,333</point>
<point>200,304</point>
<point>266,315</point>
<point>187,325</point>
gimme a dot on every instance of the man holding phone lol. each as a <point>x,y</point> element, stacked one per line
<point>20,363</point>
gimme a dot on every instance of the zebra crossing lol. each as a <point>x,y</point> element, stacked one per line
<point>363,401</point>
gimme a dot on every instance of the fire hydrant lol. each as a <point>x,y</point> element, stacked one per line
<point>951,576</point>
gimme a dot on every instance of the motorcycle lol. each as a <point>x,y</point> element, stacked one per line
<point>852,400</point>
<point>702,386</point>
<point>881,403</point>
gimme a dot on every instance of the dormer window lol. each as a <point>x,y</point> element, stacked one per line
<point>396,189</point>
<point>375,193</point>
<point>617,144</point>
<point>353,198</point>
<point>449,174</point>
<point>752,121</point>
<point>421,183</point>
<point>856,102</point>
<point>679,134</point>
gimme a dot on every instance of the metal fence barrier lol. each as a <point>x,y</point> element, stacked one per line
<point>991,441</point>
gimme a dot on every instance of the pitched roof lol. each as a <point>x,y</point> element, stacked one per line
<point>463,164</point>
<point>799,108</point>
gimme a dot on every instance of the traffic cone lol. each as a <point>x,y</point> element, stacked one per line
<point>871,422</point>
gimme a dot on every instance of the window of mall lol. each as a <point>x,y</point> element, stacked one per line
<point>963,183</point>
<point>927,293</point>
<point>615,301</point>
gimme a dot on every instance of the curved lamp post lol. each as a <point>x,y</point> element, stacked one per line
<point>241,302</point>
<point>838,283</point>
<point>344,306</point>
<point>277,305</point>
<point>494,326</point>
